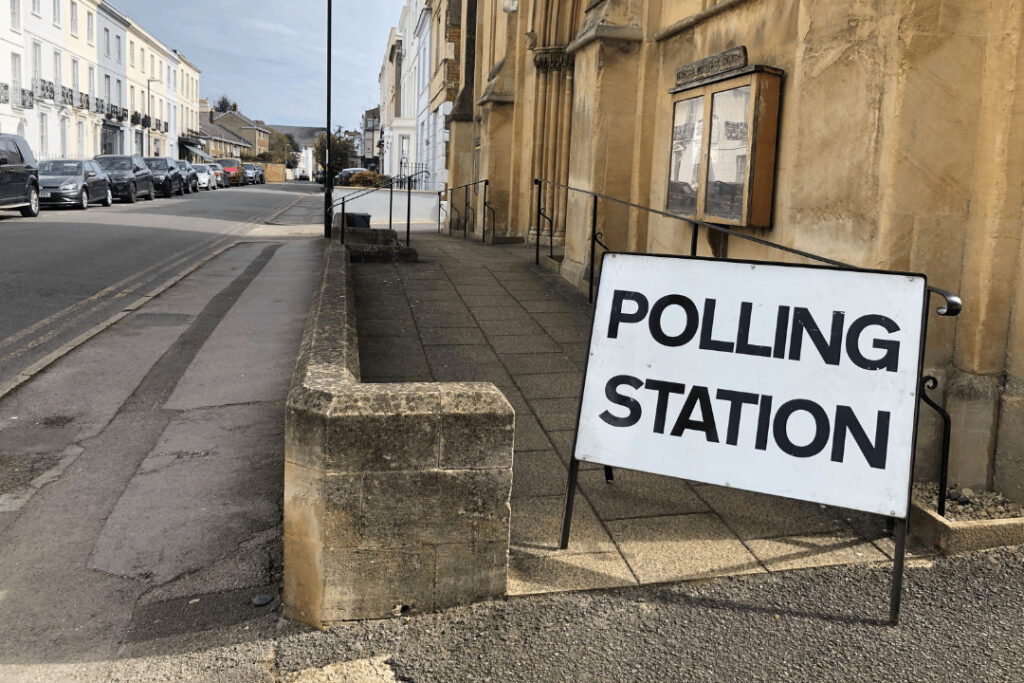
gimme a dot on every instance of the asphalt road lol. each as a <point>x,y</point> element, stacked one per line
<point>66,271</point>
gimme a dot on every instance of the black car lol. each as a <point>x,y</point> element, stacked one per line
<point>129,176</point>
<point>19,176</point>
<point>69,182</point>
<point>190,175</point>
<point>166,175</point>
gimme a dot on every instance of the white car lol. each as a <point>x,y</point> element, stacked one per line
<point>207,179</point>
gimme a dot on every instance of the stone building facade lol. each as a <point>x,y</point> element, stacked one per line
<point>898,147</point>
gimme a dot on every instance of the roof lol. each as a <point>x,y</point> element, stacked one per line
<point>212,130</point>
<point>245,119</point>
<point>304,135</point>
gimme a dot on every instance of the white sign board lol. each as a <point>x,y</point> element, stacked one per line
<point>790,380</point>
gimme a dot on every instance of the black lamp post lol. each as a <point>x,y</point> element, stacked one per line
<point>328,176</point>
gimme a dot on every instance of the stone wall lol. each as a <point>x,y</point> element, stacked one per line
<point>396,495</point>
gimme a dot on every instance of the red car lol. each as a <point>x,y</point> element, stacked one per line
<point>233,168</point>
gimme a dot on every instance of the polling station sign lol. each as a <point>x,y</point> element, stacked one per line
<point>796,381</point>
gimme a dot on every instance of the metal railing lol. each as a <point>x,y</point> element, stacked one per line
<point>406,181</point>
<point>468,208</point>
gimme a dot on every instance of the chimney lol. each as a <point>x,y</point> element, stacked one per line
<point>234,106</point>
<point>212,112</point>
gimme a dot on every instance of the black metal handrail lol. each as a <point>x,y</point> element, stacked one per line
<point>467,208</point>
<point>953,301</point>
<point>390,184</point>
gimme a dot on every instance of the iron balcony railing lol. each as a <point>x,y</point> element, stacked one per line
<point>113,111</point>
<point>5,93</point>
<point>83,100</point>
<point>98,105</point>
<point>167,127</point>
<point>67,96</point>
<point>136,118</point>
<point>146,120</point>
<point>123,116</point>
<point>25,100</point>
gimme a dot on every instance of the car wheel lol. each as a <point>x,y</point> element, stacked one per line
<point>83,200</point>
<point>32,210</point>
<point>109,199</point>
<point>132,194</point>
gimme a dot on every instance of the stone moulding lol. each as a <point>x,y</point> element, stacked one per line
<point>396,495</point>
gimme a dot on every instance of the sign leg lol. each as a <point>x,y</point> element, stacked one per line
<point>609,473</point>
<point>570,498</point>
<point>900,536</point>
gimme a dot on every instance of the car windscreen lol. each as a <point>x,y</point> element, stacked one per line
<point>115,163</point>
<point>200,168</point>
<point>157,164</point>
<point>60,168</point>
<point>228,163</point>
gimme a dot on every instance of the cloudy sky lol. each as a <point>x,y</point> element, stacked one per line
<point>270,56</point>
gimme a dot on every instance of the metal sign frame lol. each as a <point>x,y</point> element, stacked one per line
<point>900,525</point>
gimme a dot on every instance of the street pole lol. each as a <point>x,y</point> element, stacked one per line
<point>328,179</point>
<point>408,209</point>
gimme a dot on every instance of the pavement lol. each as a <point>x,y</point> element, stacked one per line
<point>142,470</point>
<point>149,517</point>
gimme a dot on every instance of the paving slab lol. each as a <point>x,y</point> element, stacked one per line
<point>755,515</point>
<point>681,547</point>
<point>819,550</point>
<point>638,494</point>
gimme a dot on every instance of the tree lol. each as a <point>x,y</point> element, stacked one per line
<point>342,151</point>
<point>283,149</point>
<point>223,104</point>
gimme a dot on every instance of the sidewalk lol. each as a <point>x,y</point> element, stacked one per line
<point>472,312</point>
<point>154,509</point>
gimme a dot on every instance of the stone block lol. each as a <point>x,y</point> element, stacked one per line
<point>467,573</point>
<point>370,584</point>
<point>477,427</point>
<point>415,507</point>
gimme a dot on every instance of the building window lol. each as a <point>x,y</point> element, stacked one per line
<point>131,52</point>
<point>56,12</point>
<point>120,100</point>
<point>131,97</point>
<point>15,76</point>
<point>74,75</point>
<point>57,81</point>
<point>16,15</point>
<point>92,81</point>
<point>35,8</point>
<point>74,18</point>
<point>716,128</point>
<point>117,48</point>
<point>63,137</point>
<point>152,65</point>
<point>37,61</point>
<point>106,89</point>
<point>43,142</point>
<point>89,27</point>
<point>81,139</point>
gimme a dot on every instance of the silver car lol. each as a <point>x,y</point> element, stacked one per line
<point>206,178</point>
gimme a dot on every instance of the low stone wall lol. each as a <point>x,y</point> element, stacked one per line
<point>396,495</point>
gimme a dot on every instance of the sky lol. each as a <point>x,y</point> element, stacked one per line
<point>270,56</point>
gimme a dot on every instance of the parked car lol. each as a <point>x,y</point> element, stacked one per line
<point>261,175</point>
<point>321,177</point>
<point>190,176</point>
<point>69,182</point>
<point>250,173</point>
<point>130,177</point>
<point>347,173</point>
<point>219,173</point>
<point>303,175</point>
<point>166,175</point>
<point>206,177</point>
<point>233,169</point>
<point>19,176</point>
